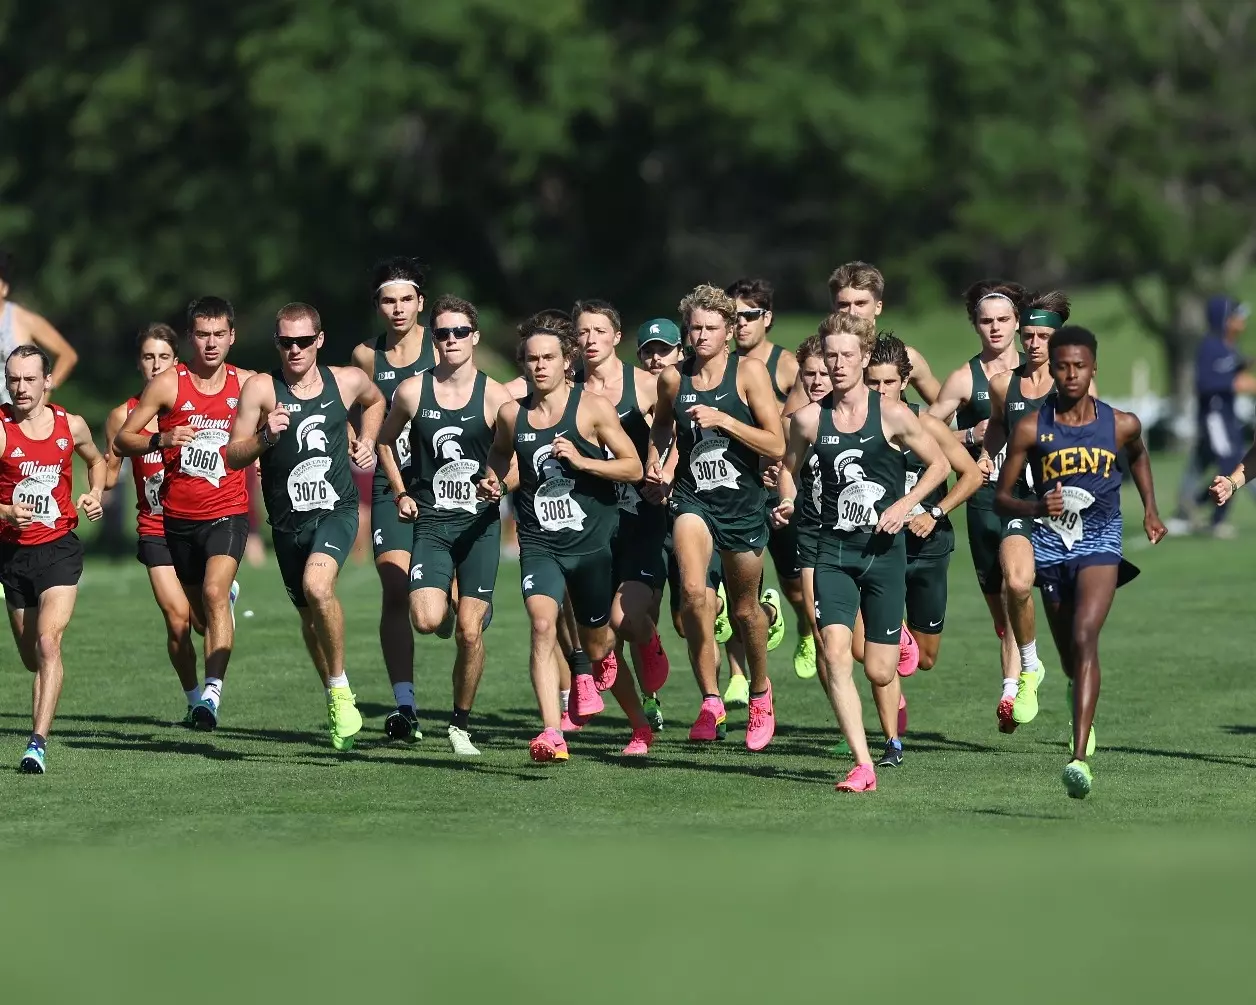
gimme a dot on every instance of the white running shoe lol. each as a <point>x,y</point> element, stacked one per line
<point>460,741</point>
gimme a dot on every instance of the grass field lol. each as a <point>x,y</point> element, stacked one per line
<point>283,868</point>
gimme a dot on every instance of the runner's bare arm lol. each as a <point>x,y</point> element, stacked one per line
<point>501,455</point>
<point>647,388</point>
<point>954,393</point>
<point>405,404</point>
<point>1129,434</point>
<point>786,375</point>
<point>133,439</point>
<point>901,426</point>
<point>257,424</point>
<point>51,341</point>
<point>1005,504</point>
<point>113,461</point>
<point>597,421</point>
<point>995,438</point>
<point>970,477</point>
<point>495,397</point>
<point>363,357</point>
<point>663,427</point>
<point>765,438</point>
<point>85,447</point>
<point>922,379</point>
<point>370,405</point>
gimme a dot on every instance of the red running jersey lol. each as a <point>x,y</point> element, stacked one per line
<point>198,484</point>
<point>149,472</point>
<point>40,474</point>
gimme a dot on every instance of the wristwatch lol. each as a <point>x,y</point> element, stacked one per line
<point>936,512</point>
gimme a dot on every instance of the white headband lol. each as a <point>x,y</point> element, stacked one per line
<point>394,282</point>
<point>1001,296</point>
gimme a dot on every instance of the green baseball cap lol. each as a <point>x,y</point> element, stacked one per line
<point>658,330</point>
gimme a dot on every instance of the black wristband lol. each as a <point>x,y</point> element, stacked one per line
<point>154,441</point>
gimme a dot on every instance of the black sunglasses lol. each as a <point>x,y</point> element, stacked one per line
<point>296,342</point>
<point>751,315</point>
<point>445,334</point>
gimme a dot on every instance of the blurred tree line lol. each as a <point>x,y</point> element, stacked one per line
<point>538,150</point>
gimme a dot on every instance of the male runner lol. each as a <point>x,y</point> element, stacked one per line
<point>401,352</point>
<point>204,506</point>
<point>451,414</point>
<point>158,348</point>
<point>1072,444</point>
<point>1013,396</point>
<point>41,560</point>
<point>571,452</point>
<point>861,562</point>
<point>22,326</point>
<point>639,568</point>
<point>722,414</point>
<point>295,419</point>
<point>994,309</point>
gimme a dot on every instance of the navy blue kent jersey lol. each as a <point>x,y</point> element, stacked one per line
<point>1082,460</point>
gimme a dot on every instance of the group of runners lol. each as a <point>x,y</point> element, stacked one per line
<point>623,479</point>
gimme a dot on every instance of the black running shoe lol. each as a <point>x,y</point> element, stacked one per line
<point>403,724</point>
<point>893,756</point>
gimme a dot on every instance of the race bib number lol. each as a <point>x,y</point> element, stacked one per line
<point>152,491</point>
<point>1069,524</point>
<point>555,509</point>
<point>308,487</point>
<point>453,486</point>
<point>37,495</point>
<point>997,460</point>
<point>202,458</point>
<point>710,468</point>
<point>817,482</point>
<point>402,447</point>
<point>627,497</point>
<point>856,505</point>
<point>909,483</point>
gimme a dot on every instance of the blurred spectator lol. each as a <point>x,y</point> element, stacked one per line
<point>19,326</point>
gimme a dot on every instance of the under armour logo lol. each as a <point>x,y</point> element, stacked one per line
<point>1046,437</point>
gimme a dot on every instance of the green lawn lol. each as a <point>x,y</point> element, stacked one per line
<point>278,867</point>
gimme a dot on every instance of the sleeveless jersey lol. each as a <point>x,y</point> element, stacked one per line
<point>559,510</point>
<point>306,475</point>
<point>8,342</point>
<point>810,484</point>
<point>942,540</point>
<point>40,474</point>
<point>198,485</point>
<point>1083,461</point>
<point>149,471</point>
<point>862,474</point>
<point>1015,408</point>
<point>713,469</point>
<point>387,376</point>
<point>632,418</point>
<point>448,447</point>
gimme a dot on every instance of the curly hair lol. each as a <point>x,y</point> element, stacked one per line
<point>847,324</point>
<point>549,322</point>
<point>709,298</point>
<point>809,347</point>
<point>1014,293</point>
<point>891,350</point>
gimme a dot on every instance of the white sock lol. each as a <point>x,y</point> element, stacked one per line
<point>1009,687</point>
<point>403,694</point>
<point>565,698</point>
<point>1029,656</point>
<point>194,695</point>
<point>341,681</point>
<point>212,691</point>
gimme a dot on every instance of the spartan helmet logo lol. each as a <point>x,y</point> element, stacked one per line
<point>445,443</point>
<point>310,436</point>
<point>546,467</point>
<point>848,468</point>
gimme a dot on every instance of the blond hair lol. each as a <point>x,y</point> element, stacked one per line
<point>709,298</point>
<point>864,329</point>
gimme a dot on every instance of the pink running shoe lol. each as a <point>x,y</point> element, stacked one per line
<point>710,722</point>
<point>908,653</point>
<point>585,702</point>
<point>569,725</point>
<point>761,726</point>
<point>902,714</point>
<point>549,746</point>
<point>654,665</point>
<point>639,745</point>
<point>605,671</point>
<point>1007,724</point>
<point>862,778</point>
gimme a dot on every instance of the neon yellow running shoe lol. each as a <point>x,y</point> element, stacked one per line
<point>723,627</point>
<point>1090,740</point>
<point>805,656</point>
<point>776,630</point>
<point>1025,707</point>
<point>737,694</point>
<point>344,721</point>
<point>1078,779</point>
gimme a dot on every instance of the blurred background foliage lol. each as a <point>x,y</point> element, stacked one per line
<point>535,151</point>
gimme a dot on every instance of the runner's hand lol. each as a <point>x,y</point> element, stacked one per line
<point>772,476</point>
<point>407,508</point>
<point>276,422</point>
<point>1221,490</point>
<point>979,432</point>
<point>19,515</point>
<point>894,517</point>
<point>566,451</point>
<point>489,487</point>
<point>706,417</point>
<point>362,452</point>
<point>178,437</point>
<point>656,487</point>
<point>1154,528</point>
<point>1054,500</point>
<point>779,515</point>
<point>985,464</point>
<point>922,525</point>
<point>91,506</point>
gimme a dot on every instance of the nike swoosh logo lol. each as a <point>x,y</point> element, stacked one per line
<point>624,415</point>
<point>466,418</point>
<point>327,404</point>
<point>934,624</point>
<point>331,546</point>
<point>721,397</point>
<point>480,589</point>
<point>891,631</point>
<point>594,621</point>
<point>865,439</point>
<point>561,432</point>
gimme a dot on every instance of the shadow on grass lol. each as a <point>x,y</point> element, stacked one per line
<point>1240,730</point>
